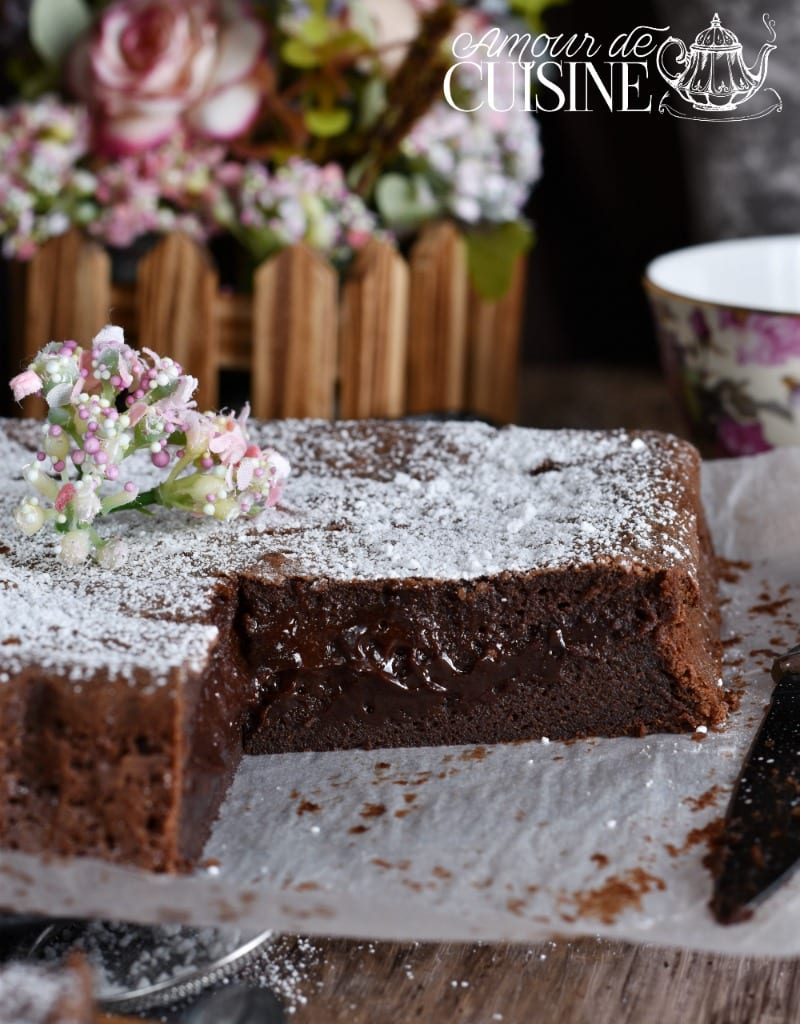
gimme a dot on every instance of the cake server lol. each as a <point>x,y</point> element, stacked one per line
<point>760,844</point>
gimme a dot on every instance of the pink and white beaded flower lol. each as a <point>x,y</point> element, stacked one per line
<point>109,402</point>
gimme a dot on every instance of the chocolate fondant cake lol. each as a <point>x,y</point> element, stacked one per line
<point>419,584</point>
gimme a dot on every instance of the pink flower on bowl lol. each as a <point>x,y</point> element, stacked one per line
<point>151,67</point>
<point>737,438</point>
<point>771,340</point>
<point>728,319</point>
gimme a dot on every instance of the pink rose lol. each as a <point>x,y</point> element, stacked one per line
<point>392,25</point>
<point>152,67</point>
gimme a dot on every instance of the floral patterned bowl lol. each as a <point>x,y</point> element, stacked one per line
<point>728,322</point>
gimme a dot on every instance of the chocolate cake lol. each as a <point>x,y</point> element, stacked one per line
<point>419,584</point>
<point>38,994</point>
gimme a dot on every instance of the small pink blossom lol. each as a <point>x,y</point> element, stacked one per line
<point>230,443</point>
<point>26,383</point>
<point>279,477</point>
<point>199,429</point>
<point>137,412</point>
<point>64,497</point>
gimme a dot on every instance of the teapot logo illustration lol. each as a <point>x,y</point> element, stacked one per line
<point>712,82</point>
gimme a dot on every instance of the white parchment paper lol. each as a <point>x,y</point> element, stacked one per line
<point>517,842</point>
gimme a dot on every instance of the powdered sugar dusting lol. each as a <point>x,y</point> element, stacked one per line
<point>459,501</point>
<point>35,995</point>
<point>365,501</point>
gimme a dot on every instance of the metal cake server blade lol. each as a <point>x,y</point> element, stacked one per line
<point>760,844</point>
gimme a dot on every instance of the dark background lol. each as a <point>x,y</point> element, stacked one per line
<point>612,197</point>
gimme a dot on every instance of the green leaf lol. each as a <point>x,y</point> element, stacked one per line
<point>55,25</point>
<point>405,203</point>
<point>492,253</point>
<point>373,103</point>
<point>315,30</point>
<point>298,55</point>
<point>532,10</point>
<point>327,123</point>
<point>345,41</point>
<point>60,417</point>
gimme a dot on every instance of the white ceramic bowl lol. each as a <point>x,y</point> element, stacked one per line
<point>728,322</point>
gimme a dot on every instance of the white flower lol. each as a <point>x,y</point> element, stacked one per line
<point>113,554</point>
<point>75,547</point>
<point>29,517</point>
<point>86,503</point>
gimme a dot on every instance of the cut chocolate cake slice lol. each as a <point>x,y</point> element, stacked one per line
<point>420,584</point>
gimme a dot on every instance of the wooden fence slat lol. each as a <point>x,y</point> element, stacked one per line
<point>295,325</point>
<point>438,321</point>
<point>404,337</point>
<point>493,340</point>
<point>176,292</point>
<point>64,292</point>
<point>373,335</point>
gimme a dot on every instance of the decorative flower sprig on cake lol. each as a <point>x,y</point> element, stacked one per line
<point>110,401</point>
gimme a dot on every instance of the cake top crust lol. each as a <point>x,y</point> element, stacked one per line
<point>366,501</point>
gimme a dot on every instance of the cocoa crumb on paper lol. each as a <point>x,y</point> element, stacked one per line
<point>769,606</point>
<point>709,834</point>
<point>765,652</point>
<point>373,810</point>
<point>475,754</point>
<point>617,894</point>
<point>307,807</point>
<point>730,570</point>
<point>707,799</point>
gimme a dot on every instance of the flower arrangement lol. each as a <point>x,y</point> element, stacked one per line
<point>105,404</point>
<point>313,120</point>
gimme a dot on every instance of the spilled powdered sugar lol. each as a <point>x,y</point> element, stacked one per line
<point>36,995</point>
<point>364,501</point>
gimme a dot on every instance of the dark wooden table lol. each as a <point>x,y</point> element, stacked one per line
<point>590,980</point>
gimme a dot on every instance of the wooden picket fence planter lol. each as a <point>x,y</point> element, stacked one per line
<point>395,337</point>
